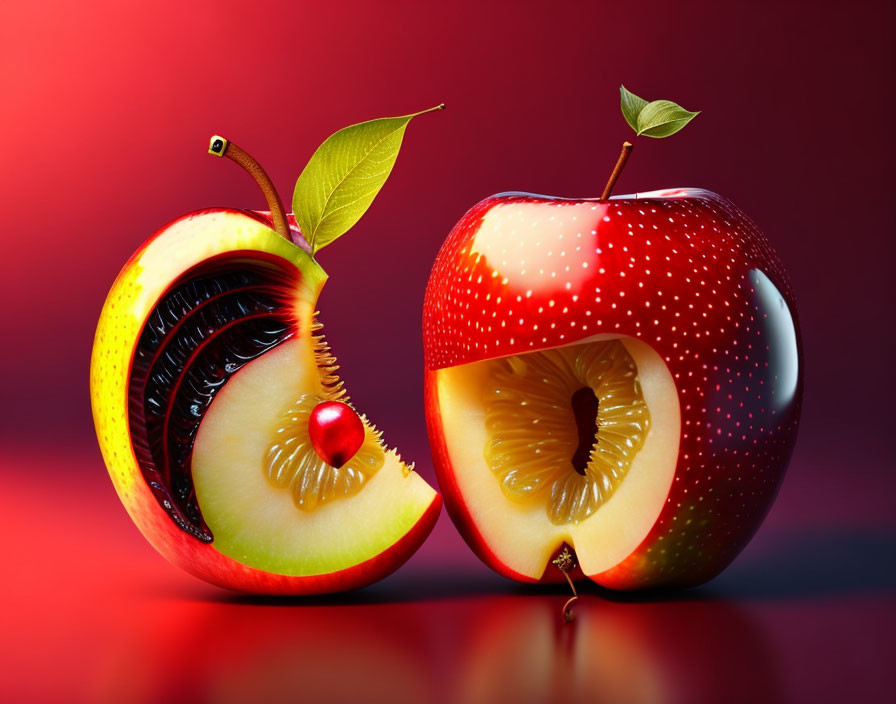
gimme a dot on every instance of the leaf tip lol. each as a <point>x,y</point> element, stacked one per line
<point>440,106</point>
<point>345,174</point>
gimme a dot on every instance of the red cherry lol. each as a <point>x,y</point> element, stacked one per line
<point>336,431</point>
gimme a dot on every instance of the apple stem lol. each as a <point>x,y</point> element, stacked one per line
<point>564,562</point>
<point>218,146</point>
<point>568,615</point>
<point>620,164</point>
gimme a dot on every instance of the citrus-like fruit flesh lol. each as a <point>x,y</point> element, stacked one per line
<point>514,434</point>
<point>305,518</point>
<point>292,462</point>
<point>538,410</point>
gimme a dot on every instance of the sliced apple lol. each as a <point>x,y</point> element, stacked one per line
<point>205,346</point>
<point>527,441</point>
<point>260,523</point>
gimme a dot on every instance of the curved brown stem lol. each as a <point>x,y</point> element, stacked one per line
<point>567,607</point>
<point>620,164</point>
<point>218,146</point>
<point>565,562</point>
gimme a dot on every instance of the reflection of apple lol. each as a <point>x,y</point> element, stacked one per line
<point>623,376</point>
<point>208,369</point>
<point>207,651</point>
<point>516,651</point>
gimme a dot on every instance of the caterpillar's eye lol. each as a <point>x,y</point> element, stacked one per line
<point>217,145</point>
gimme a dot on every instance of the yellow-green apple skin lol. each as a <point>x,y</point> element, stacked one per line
<point>323,563</point>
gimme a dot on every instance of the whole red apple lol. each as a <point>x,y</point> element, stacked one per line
<point>620,376</point>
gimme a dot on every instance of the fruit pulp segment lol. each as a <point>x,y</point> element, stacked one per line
<point>256,522</point>
<point>535,435</point>
<point>291,462</point>
<point>522,533</point>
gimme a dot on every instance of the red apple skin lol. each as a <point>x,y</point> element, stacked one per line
<point>675,269</point>
<point>205,562</point>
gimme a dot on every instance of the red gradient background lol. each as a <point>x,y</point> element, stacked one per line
<point>106,112</point>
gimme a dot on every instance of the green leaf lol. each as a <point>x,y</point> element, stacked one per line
<point>344,175</point>
<point>661,118</point>
<point>631,106</point>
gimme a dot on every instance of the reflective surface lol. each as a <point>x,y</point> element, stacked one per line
<point>780,331</point>
<point>92,613</point>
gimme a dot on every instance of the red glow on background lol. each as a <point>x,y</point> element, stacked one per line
<point>107,111</point>
<point>109,107</point>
